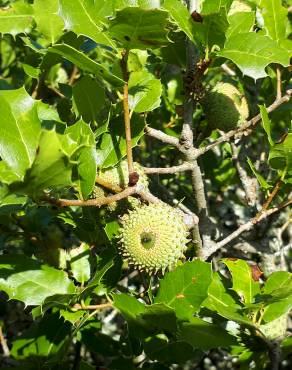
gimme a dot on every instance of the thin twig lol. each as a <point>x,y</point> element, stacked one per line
<point>269,200</point>
<point>247,182</point>
<point>73,76</point>
<point>108,185</point>
<point>5,348</point>
<point>102,306</point>
<point>159,135</point>
<point>165,170</point>
<point>127,119</point>
<point>91,202</point>
<point>245,227</point>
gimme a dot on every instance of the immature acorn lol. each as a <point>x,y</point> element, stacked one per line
<point>225,107</point>
<point>153,237</point>
<point>119,175</point>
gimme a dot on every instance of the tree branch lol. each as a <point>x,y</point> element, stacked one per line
<point>186,166</point>
<point>245,227</point>
<point>91,202</point>
<point>248,183</point>
<point>108,185</point>
<point>159,135</point>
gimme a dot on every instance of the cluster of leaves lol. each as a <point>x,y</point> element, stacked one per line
<point>61,89</point>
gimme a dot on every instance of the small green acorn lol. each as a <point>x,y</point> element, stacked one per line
<point>153,237</point>
<point>119,175</point>
<point>225,107</point>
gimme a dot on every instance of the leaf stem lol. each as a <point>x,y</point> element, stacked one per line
<point>127,119</point>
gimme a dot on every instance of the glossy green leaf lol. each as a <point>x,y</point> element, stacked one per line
<point>144,91</point>
<point>82,17</point>
<point>19,130</point>
<point>202,335</point>
<point>240,22</point>
<point>280,156</point>
<point>86,64</point>
<point>51,167</point>
<point>44,339</point>
<point>266,123</point>
<point>49,23</point>
<point>253,52</point>
<point>275,18</point>
<point>89,98</point>
<point>221,300</point>
<point>143,319</point>
<point>80,263</point>
<point>113,144</point>
<point>213,29</point>
<point>87,168</point>
<point>26,280</point>
<point>243,283</point>
<point>186,287</point>
<point>138,28</point>
<point>278,282</point>
<point>17,18</point>
<point>211,7</point>
<point>164,351</point>
<point>263,183</point>
<point>181,16</point>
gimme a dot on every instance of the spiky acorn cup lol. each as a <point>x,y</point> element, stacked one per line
<point>119,175</point>
<point>225,107</point>
<point>153,237</point>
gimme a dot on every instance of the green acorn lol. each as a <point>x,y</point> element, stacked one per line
<point>119,207</point>
<point>276,328</point>
<point>225,107</point>
<point>153,237</point>
<point>119,175</point>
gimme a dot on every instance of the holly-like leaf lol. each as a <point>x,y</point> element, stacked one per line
<point>89,98</point>
<point>213,28</point>
<point>82,17</point>
<point>263,183</point>
<point>162,350</point>
<point>26,280</point>
<point>243,283</point>
<point>138,28</point>
<point>49,23</point>
<point>280,156</point>
<point>253,52</point>
<point>44,339</point>
<point>19,130</point>
<point>221,300</point>
<point>87,167</point>
<point>241,22</point>
<point>16,18</point>
<point>186,287</point>
<point>275,19</point>
<point>113,144</point>
<point>51,167</point>
<point>266,123</point>
<point>144,91</point>
<point>214,6</point>
<point>79,263</point>
<point>86,64</point>
<point>277,283</point>
<point>202,335</point>
<point>181,16</point>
